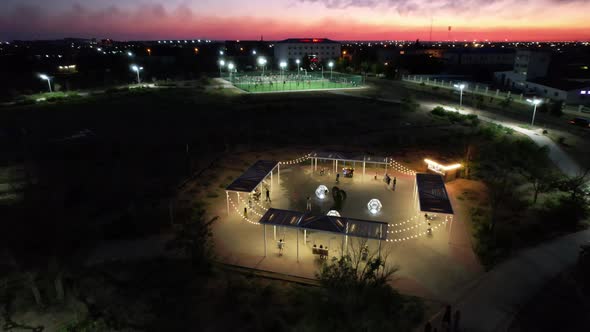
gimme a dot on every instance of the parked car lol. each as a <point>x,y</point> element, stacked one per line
<point>581,122</point>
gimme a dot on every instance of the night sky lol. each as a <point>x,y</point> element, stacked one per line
<point>337,19</point>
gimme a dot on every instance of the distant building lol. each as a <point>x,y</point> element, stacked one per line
<point>297,48</point>
<point>568,91</point>
<point>528,65</point>
<point>480,57</point>
<point>530,75</point>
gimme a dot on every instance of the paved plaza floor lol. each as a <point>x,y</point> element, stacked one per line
<point>433,266</point>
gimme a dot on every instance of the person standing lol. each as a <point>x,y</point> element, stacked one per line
<point>245,212</point>
<point>394,182</point>
<point>446,320</point>
<point>267,195</point>
<point>337,177</point>
<point>456,321</point>
<point>308,203</point>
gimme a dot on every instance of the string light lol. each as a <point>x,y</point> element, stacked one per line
<point>425,233</point>
<point>240,214</point>
<point>296,161</point>
<point>252,209</point>
<point>400,168</point>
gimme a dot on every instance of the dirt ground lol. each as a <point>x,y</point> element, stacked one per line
<point>434,267</point>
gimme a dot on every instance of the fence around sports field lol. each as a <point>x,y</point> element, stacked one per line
<point>293,81</point>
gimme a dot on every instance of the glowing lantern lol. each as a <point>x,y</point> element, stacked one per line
<point>321,191</point>
<point>374,206</point>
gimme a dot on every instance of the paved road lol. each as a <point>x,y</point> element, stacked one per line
<point>494,300</point>
<point>561,159</point>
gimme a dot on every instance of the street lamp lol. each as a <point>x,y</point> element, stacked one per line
<point>137,69</point>
<point>129,54</point>
<point>253,52</point>
<point>297,62</point>
<point>221,65</point>
<point>262,62</point>
<point>535,102</point>
<point>230,68</point>
<point>47,78</point>
<point>460,87</point>
<point>283,65</point>
<point>331,65</point>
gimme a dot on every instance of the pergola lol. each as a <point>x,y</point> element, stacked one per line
<point>346,157</point>
<point>433,196</point>
<point>252,178</point>
<point>330,224</point>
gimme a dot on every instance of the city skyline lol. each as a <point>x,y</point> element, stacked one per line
<point>495,20</point>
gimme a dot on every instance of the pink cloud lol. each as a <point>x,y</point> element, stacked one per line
<point>157,22</point>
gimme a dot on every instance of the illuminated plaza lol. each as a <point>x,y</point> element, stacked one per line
<point>246,234</point>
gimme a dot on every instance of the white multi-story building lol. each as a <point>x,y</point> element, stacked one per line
<point>528,65</point>
<point>297,48</point>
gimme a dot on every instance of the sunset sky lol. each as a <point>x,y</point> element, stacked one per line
<point>278,19</point>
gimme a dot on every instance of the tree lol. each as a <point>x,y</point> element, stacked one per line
<point>576,186</point>
<point>409,103</point>
<point>193,238</point>
<point>355,295</point>
<point>542,180</point>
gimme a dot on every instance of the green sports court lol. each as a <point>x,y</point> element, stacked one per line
<point>257,82</point>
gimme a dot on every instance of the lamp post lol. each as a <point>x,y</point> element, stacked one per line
<point>298,68</point>
<point>262,62</point>
<point>137,69</point>
<point>282,65</point>
<point>460,87</point>
<point>535,103</point>
<point>48,79</point>
<point>221,65</point>
<point>331,65</point>
<point>230,68</point>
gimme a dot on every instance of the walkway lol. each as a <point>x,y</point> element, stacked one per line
<point>494,300</point>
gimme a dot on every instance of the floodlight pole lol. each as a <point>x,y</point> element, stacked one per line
<point>49,84</point>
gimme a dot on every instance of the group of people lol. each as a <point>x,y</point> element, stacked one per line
<point>322,252</point>
<point>256,196</point>
<point>390,182</point>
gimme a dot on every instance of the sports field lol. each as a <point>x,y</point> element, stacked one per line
<point>271,82</point>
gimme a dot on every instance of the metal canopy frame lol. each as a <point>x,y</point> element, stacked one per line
<point>432,194</point>
<point>346,227</point>
<point>253,176</point>
<point>335,157</point>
